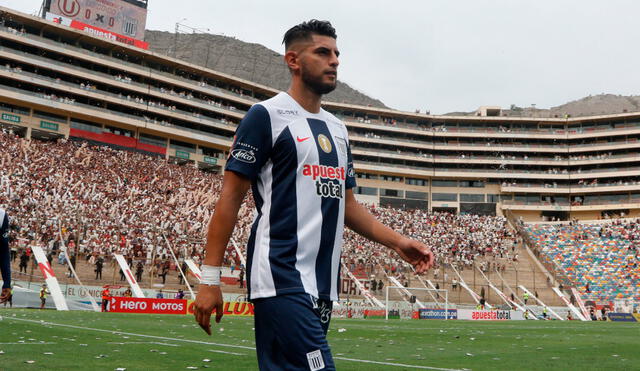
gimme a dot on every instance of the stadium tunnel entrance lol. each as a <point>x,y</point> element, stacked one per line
<point>554,215</point>
<point>20,131</point>
<point>45,135</point>
<point>451,210</point>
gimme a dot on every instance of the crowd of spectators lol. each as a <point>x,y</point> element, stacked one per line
<point>458,240</point>
<point>107,201</point>
<point>104,200</point>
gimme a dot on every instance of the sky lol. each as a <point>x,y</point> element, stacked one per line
<point>443,55</point>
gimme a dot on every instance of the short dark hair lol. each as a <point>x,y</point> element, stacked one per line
<point>304,30</point>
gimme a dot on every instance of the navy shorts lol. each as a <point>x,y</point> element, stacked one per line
<point>291,333</point>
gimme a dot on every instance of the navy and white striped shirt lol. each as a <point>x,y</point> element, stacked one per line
<point>300,166</point>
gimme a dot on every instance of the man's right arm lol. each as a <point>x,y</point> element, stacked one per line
<point>221,225</point>
<point>249,152</point>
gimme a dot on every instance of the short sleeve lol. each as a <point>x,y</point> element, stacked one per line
<point>252,143</point>
<point>350,182</point>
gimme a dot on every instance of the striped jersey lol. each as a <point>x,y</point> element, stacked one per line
<point>300,166</point>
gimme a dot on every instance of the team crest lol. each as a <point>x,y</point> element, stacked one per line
<point>324,143</point>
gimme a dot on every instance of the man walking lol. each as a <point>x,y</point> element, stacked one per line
<point>297,160</point>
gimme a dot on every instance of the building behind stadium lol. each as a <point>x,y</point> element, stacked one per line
<point>68,74</point>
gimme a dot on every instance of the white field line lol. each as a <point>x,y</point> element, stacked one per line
<point>396,364</point>
<point>224,352</point>
<point>143,342</point>
<point>221,345</point>
<point>130,333</point>
<point>482,325</point>
<point>27,343</point>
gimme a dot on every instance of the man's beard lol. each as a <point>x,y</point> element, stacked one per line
<point>315,83</point>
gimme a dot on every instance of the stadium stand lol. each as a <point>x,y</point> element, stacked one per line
<point>156,130</point>
<point>109,201</point>
<point>601,260</point>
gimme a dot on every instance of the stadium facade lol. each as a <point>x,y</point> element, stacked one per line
<point>56,81</point>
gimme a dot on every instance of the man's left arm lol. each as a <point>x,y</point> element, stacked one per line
<point>358,218</point>
<point>5,259</point>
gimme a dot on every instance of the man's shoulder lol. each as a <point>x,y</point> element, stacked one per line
<point>280,107</point>
<point>331,117</point>
<point>333,120</point>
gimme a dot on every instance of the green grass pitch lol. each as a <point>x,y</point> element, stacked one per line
<point>108,341</point>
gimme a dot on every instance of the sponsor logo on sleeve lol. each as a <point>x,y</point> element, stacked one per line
<point>244,155</point>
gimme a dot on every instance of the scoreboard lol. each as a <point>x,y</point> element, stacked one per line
<point>122,20</point>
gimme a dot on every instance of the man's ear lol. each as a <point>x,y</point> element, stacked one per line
<point>291,60</point>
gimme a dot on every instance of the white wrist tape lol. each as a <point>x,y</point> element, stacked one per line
<point>210,275</point>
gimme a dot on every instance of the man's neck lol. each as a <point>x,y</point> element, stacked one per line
<point>307,99</point>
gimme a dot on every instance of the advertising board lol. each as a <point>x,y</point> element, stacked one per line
<point>432,313</point>
<point>490,315</point>
<point>146,305</point>
<point>621,317</point>
<point>173,306</point>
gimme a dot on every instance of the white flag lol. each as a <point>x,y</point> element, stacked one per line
<point>137,292</point>
<point>50,278</point>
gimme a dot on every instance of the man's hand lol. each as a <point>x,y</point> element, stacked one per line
<point>208,297</point>
<point>415,253</point>
<point>4,296</point>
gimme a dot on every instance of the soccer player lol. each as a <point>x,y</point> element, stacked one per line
<point>5,257</point>
<point>296,158</point>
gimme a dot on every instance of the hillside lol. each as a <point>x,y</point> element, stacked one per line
<point>259,64</point>
<point>593,105</point>
<point>247,61</point>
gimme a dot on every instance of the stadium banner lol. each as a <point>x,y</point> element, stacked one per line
<point>147,305</point>
<point>490,315</point>
<point>432,313</point>
<point>49,278</point>
<point>636,316</point>
<point>621,317</point>
<point>79,293</point>
<point>96,31</point>
<point>137,292</point>
<point>229,308</point>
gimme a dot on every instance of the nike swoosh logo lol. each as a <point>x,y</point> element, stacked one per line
<point>302,139</point>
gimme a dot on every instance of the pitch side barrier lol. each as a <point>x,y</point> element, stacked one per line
<point>173,306</point>
<point>472,314</point>
<point>506,299</point>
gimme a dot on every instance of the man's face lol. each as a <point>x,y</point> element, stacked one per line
<point>318,64</point>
